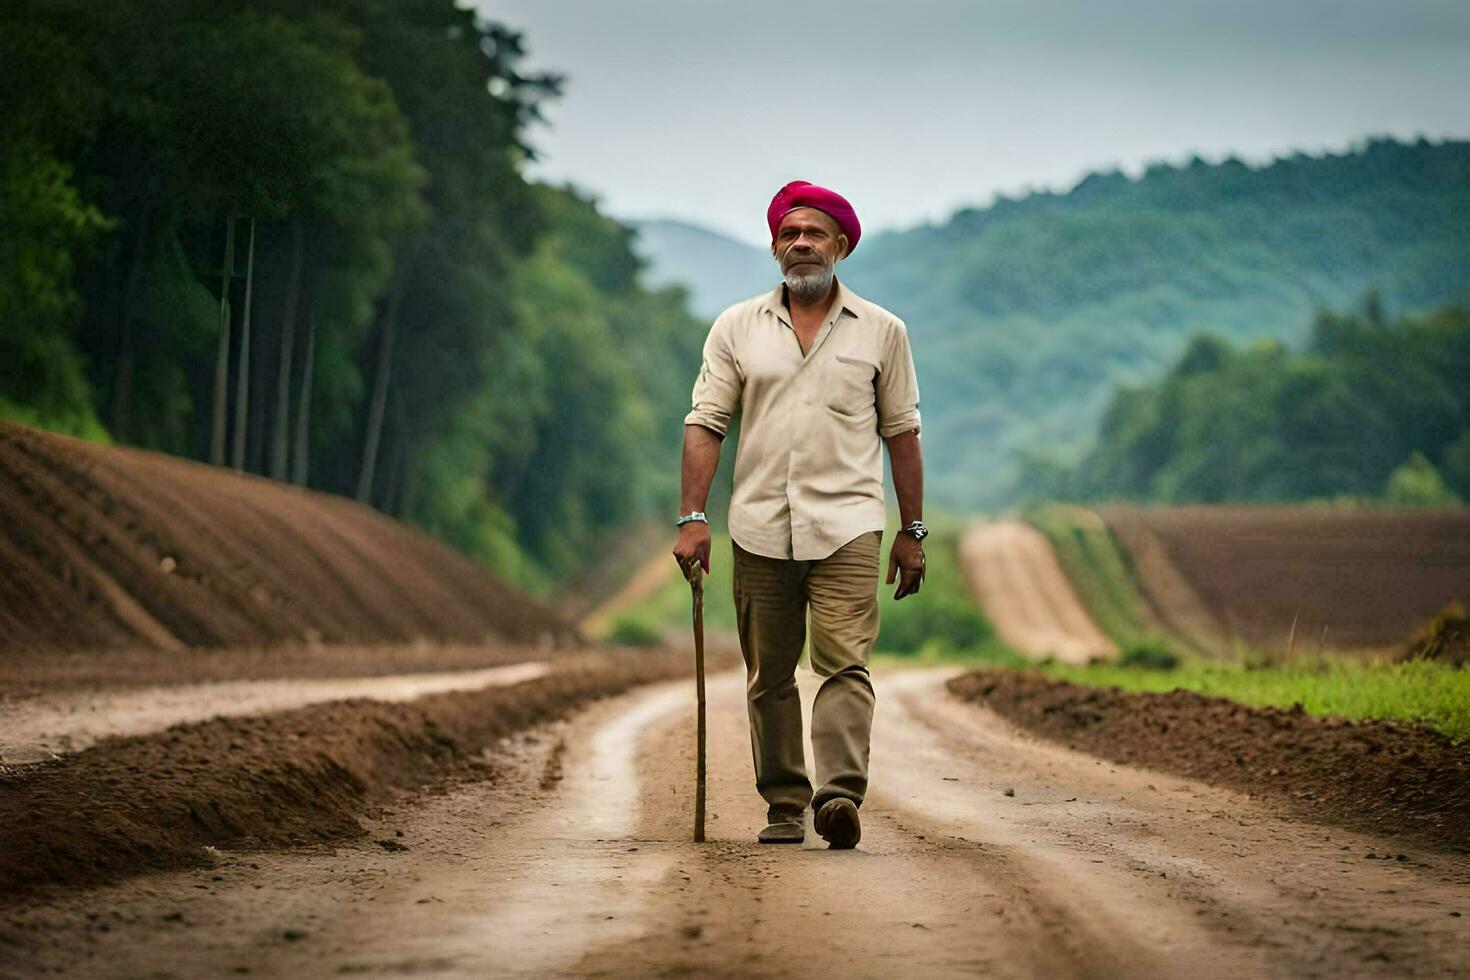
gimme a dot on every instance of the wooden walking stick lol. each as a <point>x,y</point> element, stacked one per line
<point>694,572</point>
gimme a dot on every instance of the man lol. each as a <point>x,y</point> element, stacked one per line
<point>820,377</point>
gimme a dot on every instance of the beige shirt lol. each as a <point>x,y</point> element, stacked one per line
<point>809,468</point>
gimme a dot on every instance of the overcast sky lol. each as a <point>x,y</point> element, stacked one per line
<point>701,109</point>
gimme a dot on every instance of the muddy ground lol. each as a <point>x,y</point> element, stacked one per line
<point>985,851</point>
<point>1371,774</point>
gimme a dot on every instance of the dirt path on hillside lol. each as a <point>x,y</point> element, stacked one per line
<point>645,582</point>
<point>1014,575</point>
<point>984,851</point>
<point>49,724</point>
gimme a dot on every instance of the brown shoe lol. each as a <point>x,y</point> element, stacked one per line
<point>784,825</point>
<point>837,821</point>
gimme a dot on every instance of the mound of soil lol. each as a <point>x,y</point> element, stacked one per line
<point>1348,579</point>
<point>105,547</point>
<point>1372,775</point>
<point>297,777</point>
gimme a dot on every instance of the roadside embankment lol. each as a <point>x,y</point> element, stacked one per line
<point>106,548</point>
<point>1371,774</point>
<point>302,776</point>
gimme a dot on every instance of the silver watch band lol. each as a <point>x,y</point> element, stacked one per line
<point>697,515</point>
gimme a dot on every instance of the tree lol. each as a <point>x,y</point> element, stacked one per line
<point>47,228</point>
<point>1269,424</point>
<point>412,320</point>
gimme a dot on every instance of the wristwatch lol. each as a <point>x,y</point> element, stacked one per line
<point>698,515</point>
<point>917,529</point>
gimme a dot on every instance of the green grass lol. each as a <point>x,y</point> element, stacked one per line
<point>1424,692</point>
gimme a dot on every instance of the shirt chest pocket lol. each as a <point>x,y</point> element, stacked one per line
<point>848,385</point>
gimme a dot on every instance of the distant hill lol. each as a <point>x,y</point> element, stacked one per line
<point>1027,314</point>
<point>717,269</point>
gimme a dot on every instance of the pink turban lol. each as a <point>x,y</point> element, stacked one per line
<point>804,194</point>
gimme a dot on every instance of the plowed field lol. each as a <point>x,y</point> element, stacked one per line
<point>1349,579</point>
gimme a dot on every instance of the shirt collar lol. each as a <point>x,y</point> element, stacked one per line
<point>844,302</point>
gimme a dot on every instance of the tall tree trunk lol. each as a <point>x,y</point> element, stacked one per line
<point>242,370</point>
<point>303,403</point>
<point>222,356</point>
<point>380,386</point>
<point>280,441</point>
<point>408,491</point>
<point>127,361</point>
<point>397,453</point>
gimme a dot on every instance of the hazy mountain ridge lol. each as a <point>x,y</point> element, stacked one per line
<point>716,269</point>
<point>1027,314</point>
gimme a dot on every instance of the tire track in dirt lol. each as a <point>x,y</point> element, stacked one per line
<point>1014,575</point>
<point>1202,876</point>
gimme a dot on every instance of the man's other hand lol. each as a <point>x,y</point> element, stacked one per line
<point>906,562</point>
<point>693,545</point>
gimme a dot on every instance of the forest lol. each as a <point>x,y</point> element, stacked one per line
<point>1026,314</point>
<point>1370,409</point>
<point>297,239</point>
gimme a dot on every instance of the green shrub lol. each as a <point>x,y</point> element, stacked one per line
<point>1149,654</point>
<point>631,632</point>
<point>1418,484</point>
<point>935,617</point>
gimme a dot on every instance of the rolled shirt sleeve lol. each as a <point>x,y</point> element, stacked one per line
<point>897,388</point>
<point>717,389</point>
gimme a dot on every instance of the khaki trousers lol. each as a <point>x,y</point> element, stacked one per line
<point>773,597</point>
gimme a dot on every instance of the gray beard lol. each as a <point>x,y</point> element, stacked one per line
<point>810,287</point>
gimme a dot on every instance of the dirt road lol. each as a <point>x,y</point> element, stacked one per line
<point>48,724</point>
<point>1014,575</point>
<point>984,852</point>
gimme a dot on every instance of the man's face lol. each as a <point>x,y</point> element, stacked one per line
<point>807,241</point>
<point>807,246</point>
